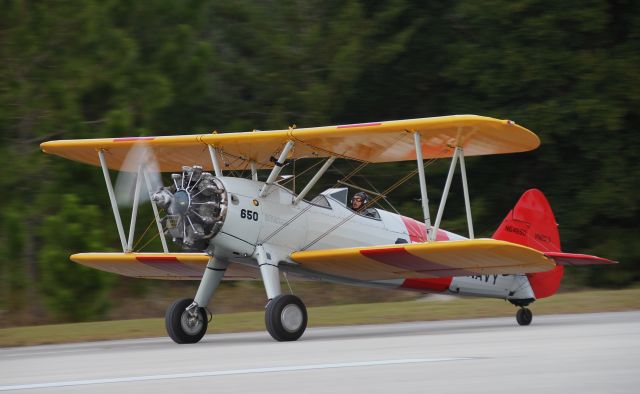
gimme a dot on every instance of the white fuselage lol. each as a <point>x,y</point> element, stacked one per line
<point>327,223</point>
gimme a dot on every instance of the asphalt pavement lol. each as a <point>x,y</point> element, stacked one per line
<point>587,353</point>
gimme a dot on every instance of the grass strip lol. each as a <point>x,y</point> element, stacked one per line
<point>390,312</point>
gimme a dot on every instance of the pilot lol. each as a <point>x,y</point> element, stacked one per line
<point>359,202</point>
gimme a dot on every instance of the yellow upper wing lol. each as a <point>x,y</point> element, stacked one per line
<point>375,142</point>
<point>426,260</point>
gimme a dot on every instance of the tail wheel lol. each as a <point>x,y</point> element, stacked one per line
<point>524,316</point>
<point>286,317</point>
<point>185,326</point>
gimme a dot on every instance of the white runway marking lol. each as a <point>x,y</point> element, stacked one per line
<point>231,372</point>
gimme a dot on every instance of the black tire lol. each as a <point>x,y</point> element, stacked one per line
<point>524,316</point>
<point>181,327</point>
<point>286,317</point>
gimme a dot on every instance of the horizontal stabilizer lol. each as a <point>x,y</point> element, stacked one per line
<point>574,259</point>
<point>169,266</point>
<point>426,260</point>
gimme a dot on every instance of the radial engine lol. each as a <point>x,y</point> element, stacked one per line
<point>196,206</point>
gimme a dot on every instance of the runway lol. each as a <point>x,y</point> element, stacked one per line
<point>589,353</point>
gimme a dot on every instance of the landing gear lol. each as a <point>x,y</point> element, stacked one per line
<point>286,317</point>
<point>186,325</point>
<point>524,316</point>
<point>186,321</point>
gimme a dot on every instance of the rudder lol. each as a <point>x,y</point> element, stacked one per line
<point>532,223</point>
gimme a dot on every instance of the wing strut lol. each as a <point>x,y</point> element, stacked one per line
<point>458,154</point>
<point>213,152</point>
<point>423,186</point>
<point>465,188</point>
<point>112,198</point>
<point>313,180</point>
<point>155,213</point>
<point>134,211</point>
<point>276,169</point>
<point>127,244</point>
<point>254,170</point>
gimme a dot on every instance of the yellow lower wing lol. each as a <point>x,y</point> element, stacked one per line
<point>420,260</point>
<point>426,260</point>
<point>172,266</point>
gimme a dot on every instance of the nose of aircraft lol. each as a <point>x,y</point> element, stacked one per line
<point>181,202</point>
<point>196,206</point>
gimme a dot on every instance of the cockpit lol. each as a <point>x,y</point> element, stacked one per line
<point>341,196</point>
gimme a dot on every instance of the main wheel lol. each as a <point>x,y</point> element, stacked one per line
<point>524,316</point>
<point>183,326</point>
<point>286,317</point>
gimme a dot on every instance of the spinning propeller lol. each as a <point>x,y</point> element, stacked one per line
<point>195,202</point>
<point>140,159</point>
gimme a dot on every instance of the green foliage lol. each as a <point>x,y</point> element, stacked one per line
<point>12,270</point>
<point>72,291</point>
<point>568,76</point>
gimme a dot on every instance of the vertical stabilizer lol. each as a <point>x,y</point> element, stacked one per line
<point>532,223</point>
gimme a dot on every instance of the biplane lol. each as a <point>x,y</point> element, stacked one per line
<point>255,228</point>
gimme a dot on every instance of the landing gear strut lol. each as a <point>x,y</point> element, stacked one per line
<point>186,320</point>
<point>285,314</point>
<point>285,317</point>
<point>524,316</point>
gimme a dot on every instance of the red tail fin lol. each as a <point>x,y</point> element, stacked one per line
<point>532,223</point>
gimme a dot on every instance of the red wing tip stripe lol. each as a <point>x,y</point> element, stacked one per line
<point>400,258</point>
<point>157,259</point>
<point>126,139</point>
<point>348,126</point>
<point>432,284</point>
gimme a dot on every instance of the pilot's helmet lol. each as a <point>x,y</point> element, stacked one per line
<point>363,196</point>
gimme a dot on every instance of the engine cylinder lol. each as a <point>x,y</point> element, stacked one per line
<point>196,206</point>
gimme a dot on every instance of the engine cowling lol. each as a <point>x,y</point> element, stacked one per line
<point>196,206</point>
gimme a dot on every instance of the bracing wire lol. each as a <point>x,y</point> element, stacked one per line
<point>357,169</point>
<point>377,191</point>
<point>135,247</point>
<point>148,242</point>
<point>302,211</point>
<point>300,174</point>
<point>369,204</point>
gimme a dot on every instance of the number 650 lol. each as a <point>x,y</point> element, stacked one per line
<point>248,214</point>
